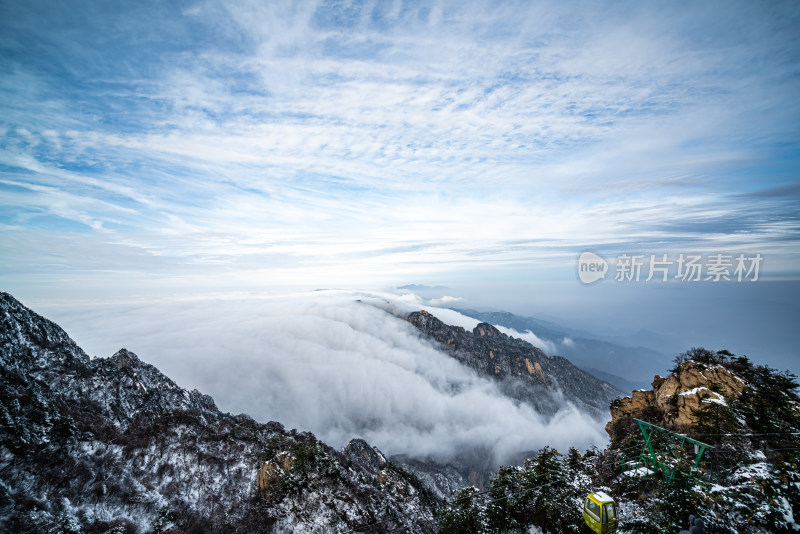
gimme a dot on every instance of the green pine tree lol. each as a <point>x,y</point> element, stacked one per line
<point>462,515</point>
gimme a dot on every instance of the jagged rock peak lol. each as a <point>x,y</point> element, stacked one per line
<point>25,332</point>
<point>6,299</point>
<point>434,327</point>
<point>674,399</point>
<point>125,358</point>
<point>363,453</point>
<point>485,329</point>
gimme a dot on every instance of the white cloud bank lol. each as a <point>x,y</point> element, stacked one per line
<point>339,364</point>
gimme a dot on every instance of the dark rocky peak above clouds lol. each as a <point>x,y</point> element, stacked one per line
<point>523,371</point>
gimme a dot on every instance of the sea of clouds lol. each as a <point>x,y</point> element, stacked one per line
<point>340,364</point>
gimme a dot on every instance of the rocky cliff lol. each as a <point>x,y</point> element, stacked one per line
<point>674,401</point>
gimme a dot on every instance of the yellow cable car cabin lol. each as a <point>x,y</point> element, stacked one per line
<point>600,512</point>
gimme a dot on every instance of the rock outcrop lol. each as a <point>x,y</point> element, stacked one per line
<point>674,400</point>
<point>270,474</point>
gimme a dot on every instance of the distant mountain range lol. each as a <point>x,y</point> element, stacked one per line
<point>625,367</point>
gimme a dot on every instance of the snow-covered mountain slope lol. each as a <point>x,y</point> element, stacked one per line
<point>98,445</point>
<point>94,445</point>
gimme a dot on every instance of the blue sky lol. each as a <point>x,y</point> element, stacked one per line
<point>155,148</point>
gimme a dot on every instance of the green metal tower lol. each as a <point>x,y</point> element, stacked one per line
<point>664,449</point>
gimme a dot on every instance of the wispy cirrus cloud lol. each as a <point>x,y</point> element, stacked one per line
<point>363,141</point>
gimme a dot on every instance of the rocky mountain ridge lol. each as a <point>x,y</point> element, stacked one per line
<point>523,371</point>
<point>113,445</point>
<point>624,366</point>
